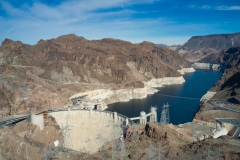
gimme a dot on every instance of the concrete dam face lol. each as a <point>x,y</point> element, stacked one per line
<point>88,130</point>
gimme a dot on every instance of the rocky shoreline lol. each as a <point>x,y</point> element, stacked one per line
<point>208,66</point>
<point>186,70</point>
<point>125,95</point>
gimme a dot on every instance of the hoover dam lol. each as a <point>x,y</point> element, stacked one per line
<point>88,130</point>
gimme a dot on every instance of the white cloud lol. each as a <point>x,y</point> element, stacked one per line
<point>30,23</point>
<point>228,8</point>
<point>206,7</point>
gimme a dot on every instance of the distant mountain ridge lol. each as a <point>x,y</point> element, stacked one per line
<point>215,41</point>
<point>163,45</point>
<point>199,47</point>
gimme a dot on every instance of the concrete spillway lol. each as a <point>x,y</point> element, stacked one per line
<point>222,132</point>
<point>88,130</point>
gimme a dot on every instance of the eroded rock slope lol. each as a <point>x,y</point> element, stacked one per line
<point>48,73</point>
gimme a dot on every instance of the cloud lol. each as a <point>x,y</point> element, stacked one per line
<point>228,8</point>
<point>216,7</point>
<point>92,19</point>
<point>206,7</point>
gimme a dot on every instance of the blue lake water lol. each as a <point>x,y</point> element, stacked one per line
<point>181,110</point>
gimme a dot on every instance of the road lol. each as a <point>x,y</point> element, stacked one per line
<point>13,120</point>
<point>220,106</point>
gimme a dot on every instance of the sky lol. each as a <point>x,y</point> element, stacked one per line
<point>159,21</point>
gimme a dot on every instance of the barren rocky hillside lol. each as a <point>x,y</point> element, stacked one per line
<point>229,57</point>
<point>152,141</point>
<point>228,87</point>
<point>49,72</point>
<point>199,47</point>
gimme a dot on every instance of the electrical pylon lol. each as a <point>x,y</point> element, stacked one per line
<point>165,114</point>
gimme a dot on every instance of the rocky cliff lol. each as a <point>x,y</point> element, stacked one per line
<point>48,73</point>
<point>228,86</point>
<point>198,47</point>
<point>229,57</point>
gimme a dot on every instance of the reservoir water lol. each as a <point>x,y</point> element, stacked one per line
<point>183,98</point>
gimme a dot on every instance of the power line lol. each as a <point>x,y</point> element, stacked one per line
<point>177,96</point>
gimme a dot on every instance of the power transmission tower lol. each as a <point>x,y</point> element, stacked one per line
<point>82,149</point>
<point>153,150</point>
<point>150,153</point>
<point>219,154</point>
<point>66,145</point>
<point>114,145</point>
<point>133,135</point>
<point>101,139</point>
<point>27,156</point>
<point>29,112</point>
<point>160,151</point>
<point>211,154</point>
<point>123,151</point>
<point>48,155</point>
<point>88,142</point>
<point>1,154</point>
<point>165,114</point>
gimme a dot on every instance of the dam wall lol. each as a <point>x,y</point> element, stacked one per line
<point>88,130</point>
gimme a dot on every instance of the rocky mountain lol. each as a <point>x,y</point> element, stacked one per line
<point>229,57</point>
<point>228,87</point>
<point>199,47</point>
<point>49,72</point>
